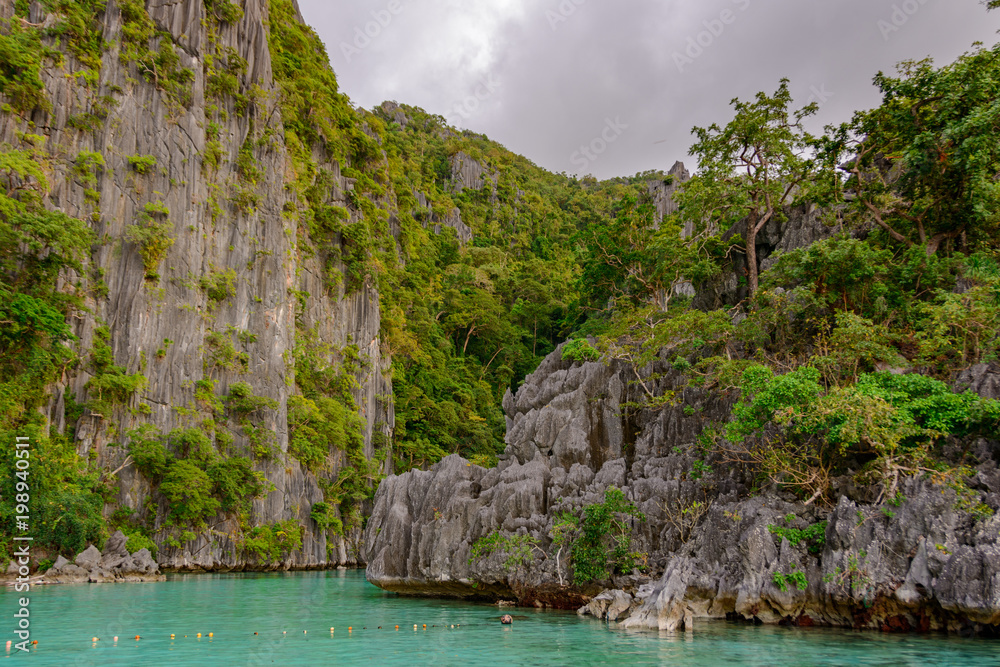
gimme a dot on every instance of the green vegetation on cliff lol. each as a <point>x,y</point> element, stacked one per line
<point>478,281</point>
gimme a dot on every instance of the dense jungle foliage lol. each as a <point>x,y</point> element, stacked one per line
<point>909,281</point>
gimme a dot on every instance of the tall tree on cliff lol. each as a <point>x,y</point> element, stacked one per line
<point>924,163</point>
<point>751,169</point>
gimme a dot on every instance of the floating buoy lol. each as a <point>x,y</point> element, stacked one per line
<point>172,635</point>
<point>284,632</point>
<point>8,644</point>
<point>34,642</point>
<point>380,627</point>
<point>331,629</point>
<point>304,631</point>
<point>116,638</point>
<point>349,628</point>
<point>397,627</point>
<point>414,626</point>
<point>425,626</point>
<point>211,634</point>
<point>94,639</point>
<point>137,637</point>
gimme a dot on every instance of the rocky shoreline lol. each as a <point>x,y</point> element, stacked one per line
<point>114,565</point>
<point>916,563</point>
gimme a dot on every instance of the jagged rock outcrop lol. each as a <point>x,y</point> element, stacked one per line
<point>662,192</point>
<point>468,173</point>
<point>452,218</point>
<point>570,437</point>
<point>920,562</point>
<point>114,565</point>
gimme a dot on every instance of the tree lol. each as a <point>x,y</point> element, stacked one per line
<point>633,258</point>
<point>924,162</point>
<point>751,168</point>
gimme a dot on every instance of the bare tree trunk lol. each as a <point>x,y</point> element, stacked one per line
<point>751,241</point>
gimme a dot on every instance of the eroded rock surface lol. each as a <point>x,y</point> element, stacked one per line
<point>114,565</point>
<point>920,562</point>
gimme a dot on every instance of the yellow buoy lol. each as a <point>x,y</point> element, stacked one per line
<point>397,627</point>
<point>211,634</point>
<point>331,629</point>
<point>425,626</point>
<point>199,635</point>
<point>414,626</point>
<point>172,636</point>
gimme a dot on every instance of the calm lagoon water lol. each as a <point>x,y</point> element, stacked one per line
<point>293,613</point>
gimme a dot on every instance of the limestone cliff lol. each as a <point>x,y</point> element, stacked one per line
<point>208,159</point>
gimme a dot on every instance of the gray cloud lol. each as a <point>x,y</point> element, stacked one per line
<point>548,77</point>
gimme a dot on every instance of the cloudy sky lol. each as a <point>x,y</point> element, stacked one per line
<point>627,79</point>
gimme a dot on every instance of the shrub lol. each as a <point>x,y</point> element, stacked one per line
<point>219,285</point>
<point>236,483</point>
<point>604,544</point>
<point>138,541</point>
<point>142,164</point>
<point>270,543</point>
<point>579,350</point>
<point>153,237</point>
<point>188,489</point>
<point>150,456</point>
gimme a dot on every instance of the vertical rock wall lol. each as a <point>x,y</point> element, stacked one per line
<point>160,326</point>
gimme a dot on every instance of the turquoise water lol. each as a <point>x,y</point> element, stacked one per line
<point>279,607</point>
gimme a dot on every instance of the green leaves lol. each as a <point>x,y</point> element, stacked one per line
<point>751,169</point>
<point>604,544</point>
<point>925,160</point>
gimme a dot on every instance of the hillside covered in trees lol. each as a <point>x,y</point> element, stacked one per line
<point>232,302</point>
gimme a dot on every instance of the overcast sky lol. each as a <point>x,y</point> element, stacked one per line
<point>627,79</point>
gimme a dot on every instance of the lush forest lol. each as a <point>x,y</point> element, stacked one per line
<point>815,344</point>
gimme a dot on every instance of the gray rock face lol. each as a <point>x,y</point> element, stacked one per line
<point>921,563</point>
<point>804,225</point>
<point>467,172</point>
<point>164,327</point>
<point>663,191</point>
<point>982,379</point>
<point>115,565</point>
<point>452,219</point>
